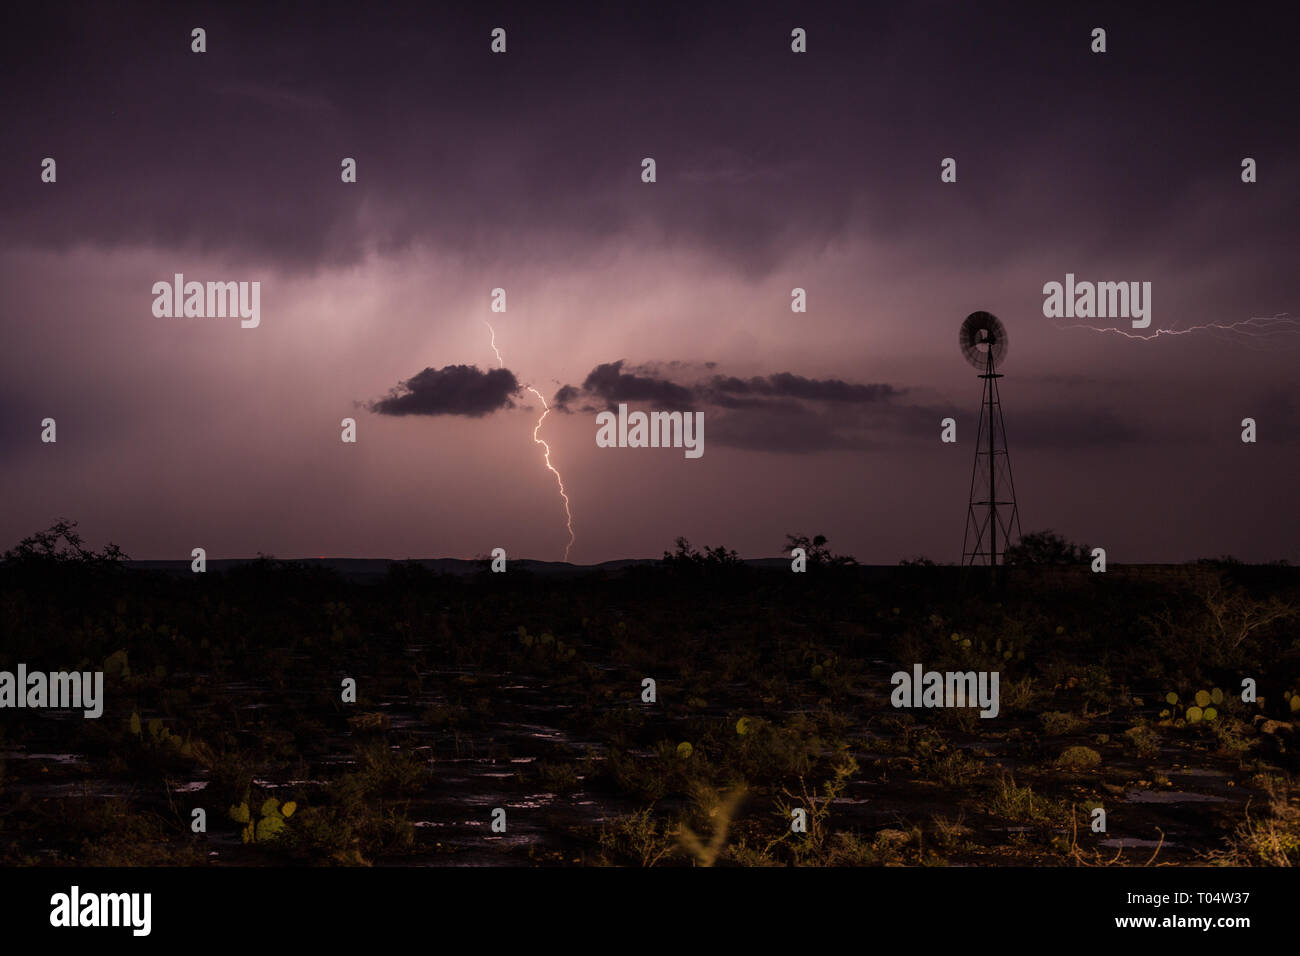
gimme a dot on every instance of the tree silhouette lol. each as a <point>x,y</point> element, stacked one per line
<point>61,544</point>
<point>1046,547</point>
<point>819,556</point>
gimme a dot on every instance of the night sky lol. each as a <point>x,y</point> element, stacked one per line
<point>522,171</point>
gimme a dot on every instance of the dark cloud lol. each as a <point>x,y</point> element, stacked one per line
<point>451,390</point>
<point>781,412</point>
<point>564,397</point>
<point>793,414</point>
<point>609,384</point>
<point>789,385</point>
<point>175,149</point>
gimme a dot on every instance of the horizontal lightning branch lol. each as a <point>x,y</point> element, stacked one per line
<point>1260,332</point>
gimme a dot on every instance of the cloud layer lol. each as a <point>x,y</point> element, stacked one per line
<point>451,390</point>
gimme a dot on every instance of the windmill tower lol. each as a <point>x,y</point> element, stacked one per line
<point>991,514</point>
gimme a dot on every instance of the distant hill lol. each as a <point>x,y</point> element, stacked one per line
<point>372,569</point>
<point>378,567</point>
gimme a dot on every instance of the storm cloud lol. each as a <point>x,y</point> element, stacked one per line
<point>781,412</point>
<point>789,385</point>
<point>743,190</point>
<point>787,413</point>
<point>451,390</point>
<point>609,384</point>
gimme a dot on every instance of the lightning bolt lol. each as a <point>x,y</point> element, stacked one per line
<point>500,362</point>
<point>546,449</point>
<point>1258,333</point>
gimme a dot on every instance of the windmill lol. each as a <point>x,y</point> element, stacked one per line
<point>992,513</point>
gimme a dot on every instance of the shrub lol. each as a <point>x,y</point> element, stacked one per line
<point>1056,723</point>
<point>1078,758</point>
<point>1143,740</point>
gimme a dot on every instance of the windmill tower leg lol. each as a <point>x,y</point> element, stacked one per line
<point>992,516</point>
<point>993,478</point>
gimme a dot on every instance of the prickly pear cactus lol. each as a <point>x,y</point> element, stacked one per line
<point>272,822</point>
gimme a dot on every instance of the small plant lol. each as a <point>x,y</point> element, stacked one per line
<point>951,833</point>
<point>370,722</point>
<point>1204,706</point>
<point>1230,738</point>
<point>1078,758</point>
<point>1272,839</point>
<point>271,824</point>
<point>1017,804</point>
<point>1056,723</point>
<point>636,838</point>
<point>721,810</point>
<point>1143,740</point>
<point>955,768</point>
<point>156,735</point>
<point>559,777</point>
<point>546,647</point>
<point>815,846</point>
<point>1019,694</point>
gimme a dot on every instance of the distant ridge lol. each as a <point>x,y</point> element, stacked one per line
<point>374,569</point>
<point>378,567</point>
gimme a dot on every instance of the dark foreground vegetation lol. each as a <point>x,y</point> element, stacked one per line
<point>524,693</point>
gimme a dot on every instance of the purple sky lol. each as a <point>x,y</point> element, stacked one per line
<point>522,171</point>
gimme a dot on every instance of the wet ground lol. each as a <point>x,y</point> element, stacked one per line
<point>476,697</point>
<point>1179,802</point>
